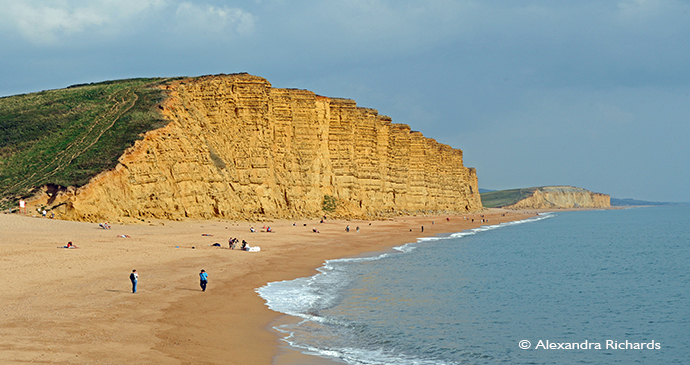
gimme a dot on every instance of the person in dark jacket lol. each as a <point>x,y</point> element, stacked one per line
<point>134,277</point>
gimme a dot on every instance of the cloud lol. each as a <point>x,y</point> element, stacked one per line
<point>642,8</point>
<point>51,22</point>
<point>214,19</point>
<point>386,25</point>
<point>67,22</point>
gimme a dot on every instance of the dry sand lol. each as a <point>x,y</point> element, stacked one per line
<point>75,306</point>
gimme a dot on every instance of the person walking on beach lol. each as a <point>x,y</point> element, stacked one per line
<point>134,277</point>
<point>204,279</point>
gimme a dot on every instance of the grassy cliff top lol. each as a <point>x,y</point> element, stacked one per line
<point>65,137</point>
<point>501,198</point>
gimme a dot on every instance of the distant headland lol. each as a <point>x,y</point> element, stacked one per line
<point>545,197</point>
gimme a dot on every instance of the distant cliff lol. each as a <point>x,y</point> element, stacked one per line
<point>237,148</point>
<point>547,197</point>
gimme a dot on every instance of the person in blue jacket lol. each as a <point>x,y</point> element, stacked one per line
<point>204,279</point>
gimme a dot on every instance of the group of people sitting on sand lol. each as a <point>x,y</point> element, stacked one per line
<point>232,242</point>
<point>104,225</point>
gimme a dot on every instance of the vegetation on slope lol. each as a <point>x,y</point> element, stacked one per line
<point>501,198</point>
<point>65,137</point>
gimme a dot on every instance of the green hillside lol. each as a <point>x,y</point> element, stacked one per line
<point>501,198</point>
<point>65,137</point>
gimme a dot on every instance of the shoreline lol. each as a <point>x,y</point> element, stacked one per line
<point>76,306</point>
<point>288,355</point>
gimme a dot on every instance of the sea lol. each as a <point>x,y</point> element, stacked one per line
<point>571,287</point>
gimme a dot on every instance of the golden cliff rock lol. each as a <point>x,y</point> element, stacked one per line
<point>236,148</point>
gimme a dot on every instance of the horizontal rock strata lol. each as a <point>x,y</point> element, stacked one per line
<point>236,148</point>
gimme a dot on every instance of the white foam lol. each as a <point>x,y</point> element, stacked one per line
<point>305,297</point>
<point>367,357</point>
<point>408,247</point>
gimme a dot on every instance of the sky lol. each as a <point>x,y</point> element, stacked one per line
<point>594,94</point>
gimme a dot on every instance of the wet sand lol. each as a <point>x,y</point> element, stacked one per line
<point>75,306</point>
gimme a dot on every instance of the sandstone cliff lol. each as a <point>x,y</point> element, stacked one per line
<point>550,197</point>
<point>236,148</point>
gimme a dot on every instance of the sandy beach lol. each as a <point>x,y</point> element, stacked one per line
<point>76,306</point>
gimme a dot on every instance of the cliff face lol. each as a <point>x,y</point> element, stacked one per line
<point>236,148</point>
<point>550,197</point>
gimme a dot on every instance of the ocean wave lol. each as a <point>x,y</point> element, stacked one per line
<point>307,297</point>
<point>360,356</point>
